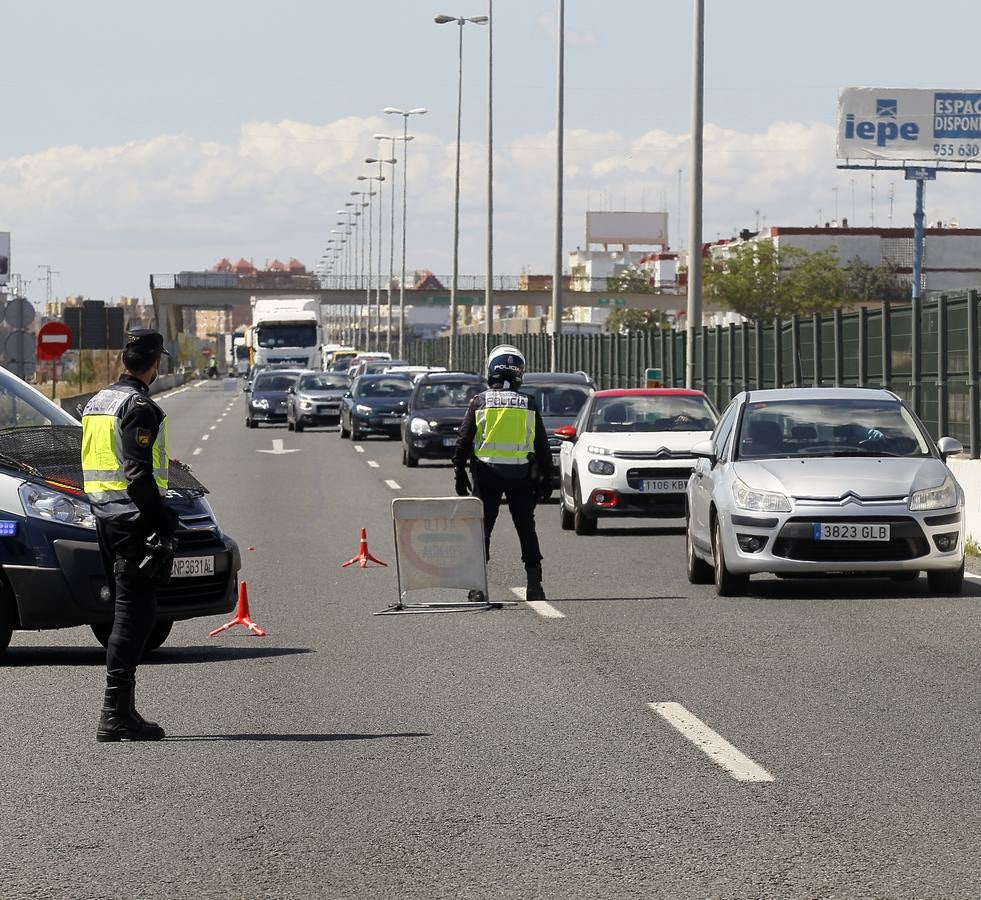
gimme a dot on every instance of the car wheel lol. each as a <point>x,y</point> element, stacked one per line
<point>7,617</point>
<point>946,582</point>
<point>566,519</point>
<point>699,571</point>
<point>249,423</point>
<point>344,432</point>
<point>409,459</point>
<point>727,584</point>
<point>904,576</point>
<point>160,633</point>
<point>582,524</point>
<point>298,425</point>
<point>355,432</point>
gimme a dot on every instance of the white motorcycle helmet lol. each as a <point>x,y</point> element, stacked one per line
<point>505,368</point>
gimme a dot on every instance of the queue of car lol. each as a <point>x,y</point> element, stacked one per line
<point>795,483</point>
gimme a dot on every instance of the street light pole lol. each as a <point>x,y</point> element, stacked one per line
<point>559,163</point>
<point>390,110</point>
<point>391,238</point>
<point>489,286</point>
<point>454,278</point>
<point>694,319</point>
<point>373,331</point>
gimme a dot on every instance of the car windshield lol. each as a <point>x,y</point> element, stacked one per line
<point>447,394</point>
<point>384,386</point>
<point>814,428</point>
<point>322,381</point>
<point>299,335</point>
<point>271,384</point>
<point>21,405</point>
<point>652,413</point>
<point>557,399</point>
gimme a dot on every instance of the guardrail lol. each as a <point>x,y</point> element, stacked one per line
<point>926,352</point>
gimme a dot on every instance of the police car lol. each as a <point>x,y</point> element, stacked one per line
<point>51,572</point>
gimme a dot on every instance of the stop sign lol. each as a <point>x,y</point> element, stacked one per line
<point>53,339</point>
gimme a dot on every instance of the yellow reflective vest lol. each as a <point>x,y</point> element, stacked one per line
<point>505,429</point>
<point>103,460</point>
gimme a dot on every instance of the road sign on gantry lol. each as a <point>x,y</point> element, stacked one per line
<point>439,543</point>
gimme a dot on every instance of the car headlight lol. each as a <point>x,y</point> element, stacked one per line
<point>599,451</point>
<point>306,404</point>
<point>940,497</point>
<point>758,501</point>
<point>53,506</point>
<point>261,403</point>
<point>601,467</point>
<point>419,426</point>
<point>362,409</point>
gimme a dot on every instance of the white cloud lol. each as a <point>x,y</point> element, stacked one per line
<point>107,217</point>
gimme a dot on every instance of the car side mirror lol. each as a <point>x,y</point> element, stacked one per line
<point>949,446</point>
<point>705,450</point>
<point>566,432</point>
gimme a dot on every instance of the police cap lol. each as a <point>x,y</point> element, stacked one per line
<point>145,340</point>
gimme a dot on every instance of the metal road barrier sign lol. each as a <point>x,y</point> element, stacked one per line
<point>439,543</point>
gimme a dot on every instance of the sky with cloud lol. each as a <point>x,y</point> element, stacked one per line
<point>160,140</point>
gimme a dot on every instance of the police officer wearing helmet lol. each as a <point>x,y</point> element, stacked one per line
<point>503,440</point>
<point>125,466</point>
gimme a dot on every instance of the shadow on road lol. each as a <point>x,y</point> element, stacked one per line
<point>638,531</point>
<point>96,656</point>
<point>850,589</point>
<point>611,599</point>
<point>297,738</point>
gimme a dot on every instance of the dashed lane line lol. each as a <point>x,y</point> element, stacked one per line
<point>358,448</point>
<point>212,428</point>
<point>394,485</point>
<point>197,451</point>
<point>713,745</point>
<point>544,609</point>
<point>372,463</point>
<point>205,437</point>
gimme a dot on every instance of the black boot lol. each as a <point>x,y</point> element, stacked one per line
<point>534,591</point>
<point>119,720</point>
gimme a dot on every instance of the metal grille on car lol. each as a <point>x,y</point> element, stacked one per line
<point>448,428</point>
<point>663,453</point>
<point>796,541</point>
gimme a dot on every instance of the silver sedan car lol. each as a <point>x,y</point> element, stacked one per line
<point>820,481</point>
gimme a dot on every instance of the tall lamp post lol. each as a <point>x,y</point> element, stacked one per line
<point>391,238</point>
<point>381,195</point>
<point>489,286</point>
<point>404,113</point>
<point>454,278</point>
<point>559,163</point>
<point>694,318</point>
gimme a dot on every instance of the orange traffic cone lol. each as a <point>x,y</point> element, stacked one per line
<point>364,556</point>
<point>242,615</point>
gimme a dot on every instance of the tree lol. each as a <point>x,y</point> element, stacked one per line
<point>760,282</point>
<point>874,284</point>
<point>627,321</point>
<point>631,280</point>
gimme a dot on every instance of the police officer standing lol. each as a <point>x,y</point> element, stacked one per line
<point>503,440</point>
<point>125,467</point>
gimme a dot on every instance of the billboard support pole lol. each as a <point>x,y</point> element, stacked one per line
<point>918,239</point>
<point>694,317</point>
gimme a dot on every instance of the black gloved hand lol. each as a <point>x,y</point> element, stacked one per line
<point>462,484</point>
<point>545,488</point>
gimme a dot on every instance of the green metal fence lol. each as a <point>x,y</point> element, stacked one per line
<point>927,352</point>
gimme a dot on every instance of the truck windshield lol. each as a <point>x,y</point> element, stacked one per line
<point>299,335</point>
<point>241,352</point>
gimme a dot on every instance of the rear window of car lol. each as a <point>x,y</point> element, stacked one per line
<point>447,394</point>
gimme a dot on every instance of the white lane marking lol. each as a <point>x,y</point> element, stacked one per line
<point>394,485</point>
<point>205,437</point>
<point>200,384</point>
<point>212,428</point>
<point>972,576</point>
<point>358,448</point>
<point>716,747</point>
<point>372,463</point>
<point>545,610</point>
<point>277,448</point>
<point>197,451</point>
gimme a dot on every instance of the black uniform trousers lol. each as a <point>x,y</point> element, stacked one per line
<point>521,498</point>
<point>134,597</point>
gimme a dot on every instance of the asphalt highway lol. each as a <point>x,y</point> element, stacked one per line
<point>833,728</point>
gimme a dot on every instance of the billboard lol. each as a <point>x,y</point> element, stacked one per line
<point>627,228</point>
<point>898,124</point>
<point>4,257</point>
